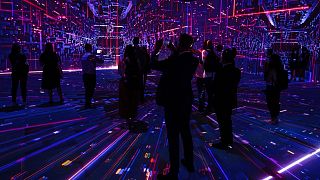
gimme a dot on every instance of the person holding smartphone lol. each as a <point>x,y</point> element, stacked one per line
<point>174,93</point>
<point>89,62</point>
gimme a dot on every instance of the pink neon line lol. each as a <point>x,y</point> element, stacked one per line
<point>41,125</point>
<point>92,161</point>
<point>267,12</point>
<point>67,70</point>
<point>291,165</point>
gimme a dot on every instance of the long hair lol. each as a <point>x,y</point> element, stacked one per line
<point>48,48</point>
<point>16,48</point>
<point>275,62</point>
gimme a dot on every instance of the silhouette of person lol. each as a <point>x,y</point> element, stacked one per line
<point>143,59</point>
<point>219,49</point>
<point>20,70</point>
<point>175,95</point>
<point>211,66</point>
<point>305,58</point>
<point>89,63</point>
<point>272,91</point>
<point>200,80</point>
<point>293,64</point>
<point>226,84</point>
<point>52,71</point>
<point>129,90</point>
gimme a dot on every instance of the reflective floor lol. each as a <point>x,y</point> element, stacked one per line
<point>44,141</point>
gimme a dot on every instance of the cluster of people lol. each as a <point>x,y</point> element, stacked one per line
<point>216,76</point>
<point>217,81</point>
<point>51,76</point>
<point>52,73</point>
<point>298,64</point>
<point>133,69</point>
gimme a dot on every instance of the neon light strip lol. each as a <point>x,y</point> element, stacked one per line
<point>174,29</point>
<point>67,70</point>
<point>45,149</point>
<point>97,157</point>
<point>41,125</point>
<point>266,12</point>
<point>295,163</point>
<point>274,11</point>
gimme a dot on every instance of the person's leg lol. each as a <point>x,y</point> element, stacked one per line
<point>143,86</point>
<point>187,139</point>
<point>201,93</point>
<point>269,100</point>
<point>210,94</point>
<point>277,103</point>
<point>228,135</point>
<point>173,139</point>
<point>23,86</point>
<point>14,87</point>
<point>86,83</point>
<point>273,98</point>
<point>50,95</point>
<point>59,90</point>
<point>92,86</point>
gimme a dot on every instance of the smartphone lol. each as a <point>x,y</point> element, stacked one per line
<point>99,51</point>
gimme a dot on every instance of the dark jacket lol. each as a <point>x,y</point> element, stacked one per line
<point>19,64</point>
<point>226,85</point>
<point>51,70</point>
<point>175,83</point>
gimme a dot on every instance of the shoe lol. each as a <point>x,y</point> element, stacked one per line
<point>223,146</point>
<point>188,166</point>
<point>24,104</point>
<point>273,121</point>
<point>61,101</point>
<point>88,106</point>
<point>169,176</point>
<point>14,104</point>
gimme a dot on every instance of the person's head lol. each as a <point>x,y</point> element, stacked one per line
<point>16,48</point>
<point>48,47</point>
<point>88,47</point>
<point>227,56</point>
<point>269,52</point>
<point>136,41</point>
<point>185,41</point>
<point>275,61</point>
<point>219,48</point>
<point>209,44</point>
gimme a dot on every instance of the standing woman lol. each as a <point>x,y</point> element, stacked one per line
<point>52,73</point>
<point>20,70</point>
<point>272,87</point>
<point>129,90</point>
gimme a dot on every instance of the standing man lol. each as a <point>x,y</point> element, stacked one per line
<point>273,87</point>
<point>20,70</point>
<point>143,58</point>
<point>88,62</point>
<point>175,95</point>
<point>226,82</point>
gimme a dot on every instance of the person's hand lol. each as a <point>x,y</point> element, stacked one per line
<point>159,44</point>
<point>171,46</point>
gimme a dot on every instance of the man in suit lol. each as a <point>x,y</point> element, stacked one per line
<point>226,83</point>
<point>175,95</point>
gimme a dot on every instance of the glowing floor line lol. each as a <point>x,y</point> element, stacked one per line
<point>66,70</point>
<point>41,125</point>
<point>97,157</point>
<point>295,163</point>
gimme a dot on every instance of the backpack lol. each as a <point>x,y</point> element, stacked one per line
<point>283,80</point>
